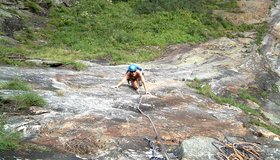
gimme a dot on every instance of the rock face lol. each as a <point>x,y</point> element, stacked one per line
<point>67,3</point>
<point>270,48</point>
<point>12,11</point>
<point>87,116</point>
<point>199,148</point>
<point>270,44</point>
<point>10,25</point>
<point>250,12</point>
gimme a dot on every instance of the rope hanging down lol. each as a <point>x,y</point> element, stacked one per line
<point>162,147</point>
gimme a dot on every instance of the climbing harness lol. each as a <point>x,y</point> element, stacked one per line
<point>238,151</point>
<point>152,145</point>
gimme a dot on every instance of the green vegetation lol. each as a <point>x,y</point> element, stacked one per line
<point>27,100</point>
<point>266,126</point>
<point>122,31</point>
<point>274,88</point>
<point>264,94</point>
<point>261,30</point>
<point>37,148</point>
<point>75,65</point>
<point>207,91</point>
<point>8,140</point>
<point>33,6</point>
<point>21,101</point>
<point>234,100</point>
<point>16,85</point>
<point>15,104</point>
<point>197,6</point>
<point>245,94</point>
<point>12,141</point>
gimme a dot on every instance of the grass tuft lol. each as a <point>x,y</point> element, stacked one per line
<point>245,94</point>
<point>27,100</point>
<point>8,140</point>
<point>266,126</point>
<point>205,89</point>
<point>16,85</point>
<point>75,65</point>
<point>11,140</point>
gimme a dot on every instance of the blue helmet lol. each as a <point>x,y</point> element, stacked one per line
<point>132,68</point>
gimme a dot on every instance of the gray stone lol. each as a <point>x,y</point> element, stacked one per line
<point>35,61</point>
<point>4,13</point>
<point>8,40</point>
<point>51,63</point>
<point>272,111</point>
<point>67,3</point>
<point>198,148</point>
<point>10,25</point>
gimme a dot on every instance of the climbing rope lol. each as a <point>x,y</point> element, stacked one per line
<point>238,151</point>
<point>162,147</point>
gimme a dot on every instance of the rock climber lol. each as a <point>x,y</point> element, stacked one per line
<point>134,75</point>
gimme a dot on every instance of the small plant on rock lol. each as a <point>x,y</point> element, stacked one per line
<point>16,85</point>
